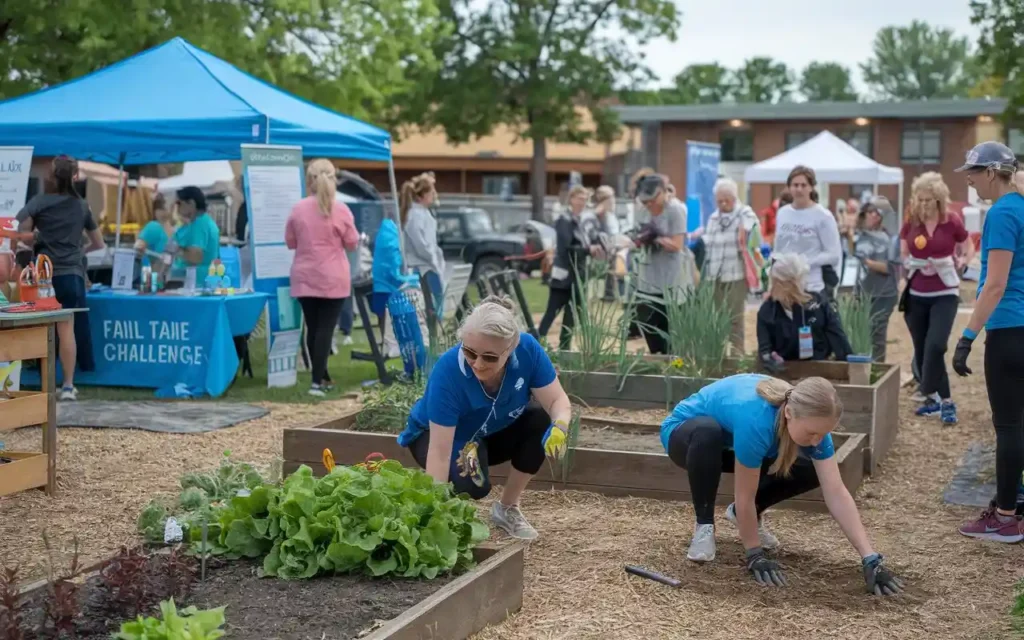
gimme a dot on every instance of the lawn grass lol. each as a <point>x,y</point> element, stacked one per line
<point>348,375</point>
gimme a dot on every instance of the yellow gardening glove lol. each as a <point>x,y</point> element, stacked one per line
<point>554,442</point>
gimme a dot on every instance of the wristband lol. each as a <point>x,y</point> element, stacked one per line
<point>970,335</point>
<point>872,559</point>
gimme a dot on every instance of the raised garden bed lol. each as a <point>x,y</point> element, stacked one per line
<point>376,609</point>
<point>872,410</point>
<point>645,471</point>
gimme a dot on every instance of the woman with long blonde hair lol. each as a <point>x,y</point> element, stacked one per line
<point>934,247</point>
<point>775,438</point>
<point>320,229</point>
<point>423,253</point>
<point>795,324</point>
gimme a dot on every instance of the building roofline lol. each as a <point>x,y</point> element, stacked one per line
<point>909,109</point>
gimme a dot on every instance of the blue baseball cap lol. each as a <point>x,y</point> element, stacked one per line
<point>990,155</point>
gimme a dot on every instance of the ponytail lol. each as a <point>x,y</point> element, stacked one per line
<point>65,168</point>
<point>814,195</point>
<point>810,398</point>
<point>405,198</point>
<point>320,177</point>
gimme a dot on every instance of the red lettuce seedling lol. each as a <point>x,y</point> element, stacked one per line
<point>11,607</point>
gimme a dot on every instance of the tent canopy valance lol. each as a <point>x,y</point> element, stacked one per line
<point>176,102</point>
<point>834,162</point>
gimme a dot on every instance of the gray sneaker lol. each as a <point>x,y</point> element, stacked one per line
<point>768,540</point>
<point>511,521</point>
<point>702,547</point>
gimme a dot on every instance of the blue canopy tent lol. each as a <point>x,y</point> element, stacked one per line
<point>176,102</point>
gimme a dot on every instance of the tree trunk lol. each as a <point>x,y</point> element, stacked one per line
<point>539,178</point>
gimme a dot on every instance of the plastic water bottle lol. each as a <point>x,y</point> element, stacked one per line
<point>147,275</point>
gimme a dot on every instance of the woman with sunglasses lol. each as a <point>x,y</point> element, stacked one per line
<point>999,310</point>
<point>477,412</point>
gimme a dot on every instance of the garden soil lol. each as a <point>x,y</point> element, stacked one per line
<point>575,584</point>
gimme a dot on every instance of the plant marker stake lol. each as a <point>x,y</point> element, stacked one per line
<point>652,575</point>
<point>202,576</point>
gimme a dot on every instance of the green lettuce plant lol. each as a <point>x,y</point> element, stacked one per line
<point>389,520</point>
<point>188,624</point>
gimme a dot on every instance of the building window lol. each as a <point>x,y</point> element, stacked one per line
<point>501,184</point>
<point>921,146</point>
<point>797,138</point>
<point>859,139</point>
<point>1015,140</point>
<point>737,145</point>
<point>650,143</point>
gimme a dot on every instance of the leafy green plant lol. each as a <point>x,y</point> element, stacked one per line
<point>596,332</point>
<point>855,315</point>
<point>385,520</point>
<point>386,407</point>
<point>698,330</point>
<point>229,478</point>
<point>188,624</point>
<point>1017,611</point>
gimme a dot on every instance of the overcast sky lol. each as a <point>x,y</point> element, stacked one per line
<point>794,31</point>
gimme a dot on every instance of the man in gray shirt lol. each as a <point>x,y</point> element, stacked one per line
<point>662,258</point>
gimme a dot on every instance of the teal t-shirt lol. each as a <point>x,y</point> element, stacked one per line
<point>204,234</point>
<point>1004,231</point>
<point>745,416</point>
<point>154,236</point>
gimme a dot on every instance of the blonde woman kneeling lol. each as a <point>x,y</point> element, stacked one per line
<point>776,439</point>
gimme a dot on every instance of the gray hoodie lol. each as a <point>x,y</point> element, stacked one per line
<point>422,250</point>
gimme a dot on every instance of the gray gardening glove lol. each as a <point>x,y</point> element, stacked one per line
<point>766,572</point>
<point>880,581</point>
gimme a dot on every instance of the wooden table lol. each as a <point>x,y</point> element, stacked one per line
<point>30,336</point>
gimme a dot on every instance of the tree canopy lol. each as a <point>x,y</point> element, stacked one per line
<point>1001,52</point>
<point>919,62</point>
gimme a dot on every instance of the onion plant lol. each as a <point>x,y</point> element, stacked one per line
<point>855,315</point>
<point>698,330</point>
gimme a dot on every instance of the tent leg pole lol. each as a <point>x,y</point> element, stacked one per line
<point>120,202</point>
<point>394,198</point>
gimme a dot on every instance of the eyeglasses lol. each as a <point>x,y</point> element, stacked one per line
<point>489,358</point>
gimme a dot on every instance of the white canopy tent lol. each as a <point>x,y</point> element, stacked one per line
<point>834,162</point>
<point>203,174</point>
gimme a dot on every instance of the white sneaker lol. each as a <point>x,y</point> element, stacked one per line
<point>702,547</point>
<point>768,540</point>
<point>317,390</point>
<point>511,521</point>
<point>67,394</point>
<point>346,341</point>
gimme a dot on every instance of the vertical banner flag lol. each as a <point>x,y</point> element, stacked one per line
<point>702,160</point>
<point>15,164</point>
<point>273,185</point>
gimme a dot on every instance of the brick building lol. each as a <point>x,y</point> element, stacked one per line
<point>484,165</point>
<point>917,136</point>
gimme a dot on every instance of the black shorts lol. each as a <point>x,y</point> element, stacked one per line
<point>70,292</point>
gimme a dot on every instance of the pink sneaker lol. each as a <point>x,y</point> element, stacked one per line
<point>990,527</point>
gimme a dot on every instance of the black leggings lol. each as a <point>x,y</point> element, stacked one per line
<point>653,321</point>
<point>559,299</point>
<point>321,316</point>
<point>1004,378</point>
<point>930,321</point>
<point>520,443</point>
<point>699,445</point>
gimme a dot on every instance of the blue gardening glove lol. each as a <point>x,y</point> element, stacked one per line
<point>880,581</point>
<point>554,441</point>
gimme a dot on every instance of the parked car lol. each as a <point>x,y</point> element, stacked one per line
<point>468,235</point>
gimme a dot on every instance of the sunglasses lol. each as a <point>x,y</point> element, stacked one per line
<point>489,358</point>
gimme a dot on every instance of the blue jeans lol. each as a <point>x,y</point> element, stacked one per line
<point>345,319</point>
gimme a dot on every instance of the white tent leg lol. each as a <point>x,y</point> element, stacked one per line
<point>394,197</point>
<point>120,202</point>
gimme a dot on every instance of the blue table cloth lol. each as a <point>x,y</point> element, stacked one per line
<point>178,345</point>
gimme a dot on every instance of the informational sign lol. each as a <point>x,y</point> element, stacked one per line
<point>702,160</point>
<point>124,269</point>
<point>273,184</point>
<point>15,164</point>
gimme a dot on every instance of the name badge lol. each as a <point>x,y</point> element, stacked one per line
<point>806,343</point>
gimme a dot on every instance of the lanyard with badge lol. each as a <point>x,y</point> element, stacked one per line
<point>468,461</point>
<point>805,337</point>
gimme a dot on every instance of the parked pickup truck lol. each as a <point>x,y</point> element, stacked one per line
<point>467,234</point>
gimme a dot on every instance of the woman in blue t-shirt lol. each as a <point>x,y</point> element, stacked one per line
<point>999,310</point>
<point>477,412</point>
<point>776,439</point>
